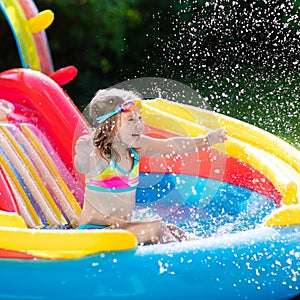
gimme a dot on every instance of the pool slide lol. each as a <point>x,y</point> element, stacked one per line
<point>39,184</point>
<point>39,179</point>
<point>42,198</point>
<point>272,157</point>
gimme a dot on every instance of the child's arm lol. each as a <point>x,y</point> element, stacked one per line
<point>180,145</point>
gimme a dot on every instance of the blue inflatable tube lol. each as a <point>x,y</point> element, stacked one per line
<point>252,265</point>
<point>259,263</point>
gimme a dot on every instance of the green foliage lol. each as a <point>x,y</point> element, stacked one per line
<point>243,56</point>
<point>92,36</point>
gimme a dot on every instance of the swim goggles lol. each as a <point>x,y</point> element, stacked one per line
<point>126,106</point>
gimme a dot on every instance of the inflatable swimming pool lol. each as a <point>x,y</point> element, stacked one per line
<point>242,199</point>
<point>243,202</point>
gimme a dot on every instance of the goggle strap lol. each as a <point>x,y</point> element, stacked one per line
<point>121,108</point>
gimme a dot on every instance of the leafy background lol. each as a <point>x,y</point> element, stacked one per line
<point>241,56</point>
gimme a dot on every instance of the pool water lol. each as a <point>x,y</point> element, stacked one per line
<point>203,206</point>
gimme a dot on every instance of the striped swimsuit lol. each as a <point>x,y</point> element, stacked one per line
<point>114,179</point>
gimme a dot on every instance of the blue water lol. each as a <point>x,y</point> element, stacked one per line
<point>203,206</point>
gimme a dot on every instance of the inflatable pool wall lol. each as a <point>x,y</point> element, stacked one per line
<point>261,262</point>
<point>242,198</point>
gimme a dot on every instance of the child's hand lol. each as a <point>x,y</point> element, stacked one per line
<point>216,136</point>
<point>84,145</point>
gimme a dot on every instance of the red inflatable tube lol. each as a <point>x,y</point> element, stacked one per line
<point>4,253</point>
<point>7,199</point>
<point>222,167</point>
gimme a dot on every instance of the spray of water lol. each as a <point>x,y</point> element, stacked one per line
<point>241,56</point>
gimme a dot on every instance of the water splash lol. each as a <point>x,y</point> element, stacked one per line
<point>241,56</point>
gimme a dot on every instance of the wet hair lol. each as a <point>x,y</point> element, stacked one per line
<point>104,102</point>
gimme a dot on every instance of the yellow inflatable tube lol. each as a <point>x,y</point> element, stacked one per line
<point>286,215</point>
<point>10,219</point>
<point>65,244</point>
<point>235,128</point>
<point>233,147</point>
<point>276,159</point>
<point>60,244</point>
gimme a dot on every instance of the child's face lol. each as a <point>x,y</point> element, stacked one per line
<point>131,128</point>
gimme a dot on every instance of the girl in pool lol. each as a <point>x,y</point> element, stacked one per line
<point>109,159</point>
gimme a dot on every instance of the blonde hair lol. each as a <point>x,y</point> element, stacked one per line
<point>103,103</point>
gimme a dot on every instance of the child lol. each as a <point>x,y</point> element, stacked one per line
<point>109,159</point>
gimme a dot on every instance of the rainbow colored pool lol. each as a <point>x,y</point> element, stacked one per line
<point>241,198</point>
